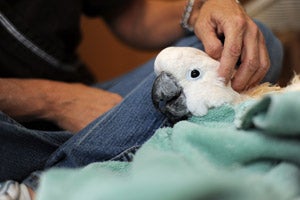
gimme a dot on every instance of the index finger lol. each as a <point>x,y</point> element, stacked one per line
<point>231,53</point>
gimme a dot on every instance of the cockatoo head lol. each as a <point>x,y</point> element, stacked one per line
<point>187,83</point>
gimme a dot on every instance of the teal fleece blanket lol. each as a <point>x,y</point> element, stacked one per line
<point>249,151</point>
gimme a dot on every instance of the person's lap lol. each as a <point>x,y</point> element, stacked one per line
<point>126,126</point>
<point>23,150</point>
<point>123,129</point>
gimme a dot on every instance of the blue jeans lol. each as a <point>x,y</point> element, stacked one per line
<point>113,136</point>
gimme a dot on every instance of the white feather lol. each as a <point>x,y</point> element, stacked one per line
<point>202,93</point>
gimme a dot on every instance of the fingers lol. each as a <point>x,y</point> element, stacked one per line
<point>206,30</point>
<point>249,62</point>
<point>243,40</point>
<point>232,49</point>
<point>213,46</point>
<point>254,60</point>
<point>264,64</point>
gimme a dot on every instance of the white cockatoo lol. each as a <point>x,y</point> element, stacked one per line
<point>187,83</point>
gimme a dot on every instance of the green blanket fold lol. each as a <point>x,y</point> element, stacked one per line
<point>251,151</point>
<point>276,114</point>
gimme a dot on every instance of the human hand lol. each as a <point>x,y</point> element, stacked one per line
<point>243,40</point>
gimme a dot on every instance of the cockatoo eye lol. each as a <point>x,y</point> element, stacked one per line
<point>194,74</point>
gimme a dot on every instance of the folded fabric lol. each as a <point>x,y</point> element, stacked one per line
<point>276,114</point>
<point>250,151</point>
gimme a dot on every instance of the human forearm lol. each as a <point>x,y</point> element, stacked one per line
<point>149,23</point>
<point>24,99</point>
<point>71,106</point>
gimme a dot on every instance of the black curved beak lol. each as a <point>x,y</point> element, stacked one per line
<point>168,97</point>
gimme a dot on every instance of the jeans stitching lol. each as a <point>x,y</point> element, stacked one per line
<point>126,155</point>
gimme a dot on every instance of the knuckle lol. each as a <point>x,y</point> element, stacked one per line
<point>213,50</point>
<point>227,70</point>
<point>265,65</point>
<point>237,86</point>
<point>252,25</point>
<point>252,65</point>
<point>240,22</point>
<point>255,31</point>
<point>235,50</point>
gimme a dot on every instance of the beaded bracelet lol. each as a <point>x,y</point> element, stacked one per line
<point>186,16</point>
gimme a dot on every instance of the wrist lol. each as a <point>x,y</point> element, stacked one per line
<point>57,100</point>
<point>190,14</point>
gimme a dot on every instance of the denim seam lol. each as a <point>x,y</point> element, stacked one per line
<point>131,150</point>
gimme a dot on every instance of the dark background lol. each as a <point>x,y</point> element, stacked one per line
<point>108,58</point>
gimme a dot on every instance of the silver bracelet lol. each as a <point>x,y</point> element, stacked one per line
<point>186,16</point>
